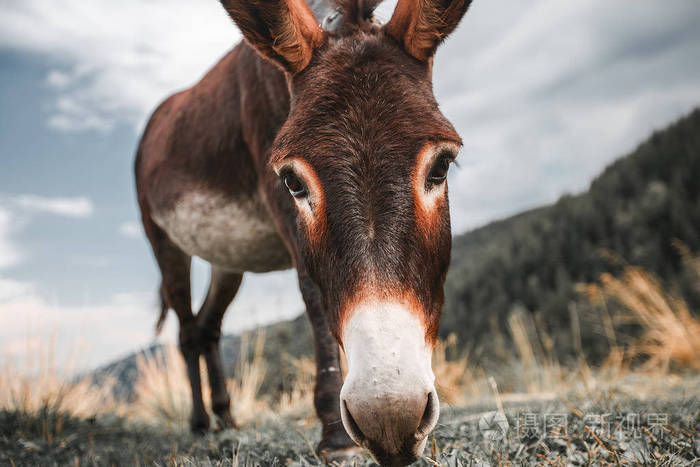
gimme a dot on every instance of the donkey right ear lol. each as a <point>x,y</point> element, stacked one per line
<point>421,25</point>
<point>284,31</point>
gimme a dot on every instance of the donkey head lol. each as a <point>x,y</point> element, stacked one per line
<point>364,155</point>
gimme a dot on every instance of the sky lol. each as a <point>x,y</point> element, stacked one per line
<point>544,94</point>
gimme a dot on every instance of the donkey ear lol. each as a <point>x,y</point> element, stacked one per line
<point>421,25</point>
<point>285,31</point>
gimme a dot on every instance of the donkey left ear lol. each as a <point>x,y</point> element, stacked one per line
<point>284,31</point>
<point>421,25</point>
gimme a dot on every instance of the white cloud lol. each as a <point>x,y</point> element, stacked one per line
<point>71,115</point>
<point>545,94</point>
<point>125,322</point>
<point>11,289</point>
<point>131,229</point>
<point>114,64</point>
<point>9,253</point>
<point>96,332</point>
<point>15,213</point>
<point>104,330</point>
<point>92,261</point>
<point>70,207</point>
<point>58,79</point>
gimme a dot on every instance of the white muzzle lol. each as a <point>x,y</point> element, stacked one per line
<point>388,401</point>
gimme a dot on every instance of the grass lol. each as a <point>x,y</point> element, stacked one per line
<point>669,334</point>
<point>39,384</point>
<point>48,417</point>
<point>611,428</point>
<point>162,394</point>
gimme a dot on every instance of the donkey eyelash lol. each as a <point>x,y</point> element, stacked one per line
<point>448,154</point>
<point>445,155</point>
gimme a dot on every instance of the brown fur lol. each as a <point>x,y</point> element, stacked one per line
<point>421,25</point>
<point>284,31</point>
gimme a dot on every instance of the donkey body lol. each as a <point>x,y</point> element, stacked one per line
<point>322,150</point>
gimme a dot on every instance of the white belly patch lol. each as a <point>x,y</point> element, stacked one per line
<point>236,235</point>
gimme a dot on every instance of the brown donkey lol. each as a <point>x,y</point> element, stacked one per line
<point>319,147</point>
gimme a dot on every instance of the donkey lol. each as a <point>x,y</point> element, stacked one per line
<point>319,147</point>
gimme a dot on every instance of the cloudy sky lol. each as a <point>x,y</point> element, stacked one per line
<point>544,93</point>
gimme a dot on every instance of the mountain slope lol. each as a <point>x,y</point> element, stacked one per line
<point>634,209</point>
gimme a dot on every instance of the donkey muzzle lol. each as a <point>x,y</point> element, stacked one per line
<point>388,400</point>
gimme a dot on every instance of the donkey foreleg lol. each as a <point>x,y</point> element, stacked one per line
<point>222,290</point>
<point>329,379</point>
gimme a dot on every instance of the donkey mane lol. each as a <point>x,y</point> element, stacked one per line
<point>356,12</point>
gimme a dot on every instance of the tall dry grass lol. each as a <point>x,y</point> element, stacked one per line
<point>244,388</point>
<point>162,391</point>
<point>668,341</point>
<point>535,370</point>
<point>670,334</point>
<point>40,384</point>
<point>298,401</point>
<point>455,378</point>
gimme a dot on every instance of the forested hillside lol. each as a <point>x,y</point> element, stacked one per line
<point>632,212</point>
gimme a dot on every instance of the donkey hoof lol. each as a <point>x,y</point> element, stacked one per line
<point>199,425</point>
<point>338,447</point>
<point>225,421</point>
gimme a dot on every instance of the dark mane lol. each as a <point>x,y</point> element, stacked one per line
<point>340,17</point>
<point>358,11</point>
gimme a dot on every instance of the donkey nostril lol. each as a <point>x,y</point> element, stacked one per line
<point>429,419</point>
<point>352,427</point>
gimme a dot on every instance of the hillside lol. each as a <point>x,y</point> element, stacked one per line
<point>633,211</point>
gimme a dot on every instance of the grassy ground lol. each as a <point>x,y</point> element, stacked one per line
<point>609,427</point>
<point>639,407</point>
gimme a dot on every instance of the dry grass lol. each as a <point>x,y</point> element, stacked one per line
<point>669,336</point>
<point>668,342</point>
<point>539,371</point>
<point>245,387</point>
<point>162,391</point>
<point>455,379</point>
<point>40,384</point>
<point>298,402</point>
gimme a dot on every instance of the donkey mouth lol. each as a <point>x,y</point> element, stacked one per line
<point>351,426</point>
<point>391,439</point>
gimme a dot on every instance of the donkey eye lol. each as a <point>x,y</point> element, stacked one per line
<point>294,185</point>
<point>438,172</point>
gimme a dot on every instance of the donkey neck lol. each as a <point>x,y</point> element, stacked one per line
<point>263,98</point>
